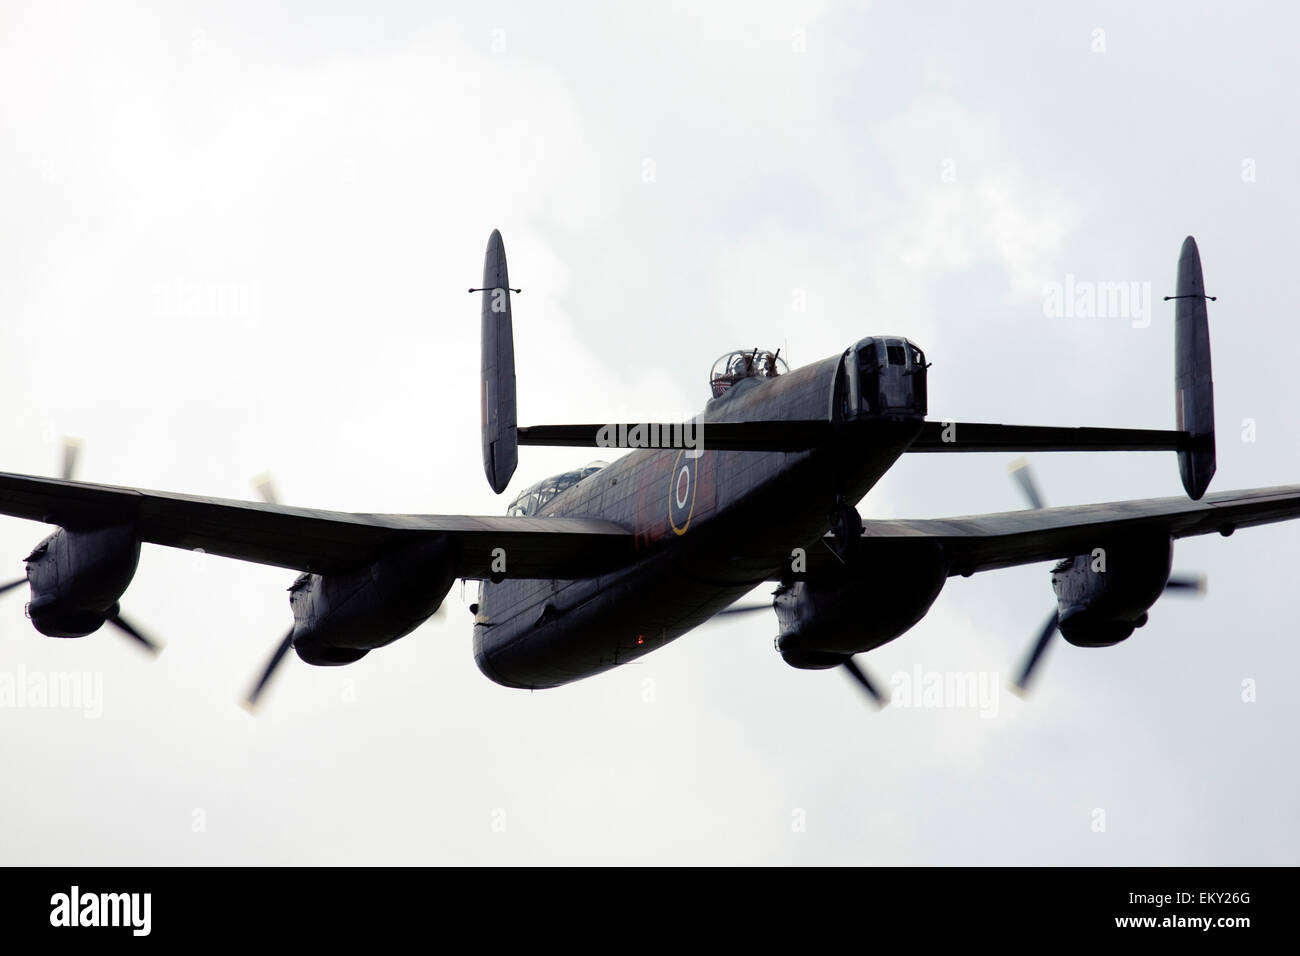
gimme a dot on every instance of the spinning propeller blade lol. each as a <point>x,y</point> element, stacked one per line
<point>71,452</point>
<point>1024,477</point>
<point>265,488</point>
<point>859,675</point>
<point>127,628</point>
<point>250,702</point>
<point>1035,654</point>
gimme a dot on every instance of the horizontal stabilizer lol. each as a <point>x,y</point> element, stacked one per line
<point>724,436</point>
<point>800,435</point>
<point>984,436</point>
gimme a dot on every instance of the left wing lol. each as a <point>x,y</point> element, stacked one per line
<point>306,539</point>
<point>985,542</point>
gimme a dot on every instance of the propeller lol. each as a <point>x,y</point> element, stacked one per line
<point>265,487</point>
<point>1177,583</point>
<point>255,692</point>
<point>131,631</point>
<point>71,452</point>
<point>68,472</point>
<point>858,674</point>
<point>1035,654</point>
<point>1022,476</point>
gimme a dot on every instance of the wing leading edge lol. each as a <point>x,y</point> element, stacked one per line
<point>306,539</point>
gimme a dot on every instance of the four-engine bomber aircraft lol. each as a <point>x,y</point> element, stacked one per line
<point>599,566</point>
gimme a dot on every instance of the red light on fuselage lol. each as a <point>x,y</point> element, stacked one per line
<point>639,640</point>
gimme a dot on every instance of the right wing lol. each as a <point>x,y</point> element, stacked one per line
<point>990,541</point>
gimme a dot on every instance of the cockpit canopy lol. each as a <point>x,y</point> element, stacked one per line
<point>534,498</point>
<point>748,363</point>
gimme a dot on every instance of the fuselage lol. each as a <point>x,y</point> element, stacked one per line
<point>710,525</point>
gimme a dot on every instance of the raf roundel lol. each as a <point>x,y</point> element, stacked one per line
<point>681,492</point>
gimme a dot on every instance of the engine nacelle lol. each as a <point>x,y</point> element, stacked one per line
<point>1104,595</point>
<point>76,578</point>
<point>339,617</point>
<point>881,591</point>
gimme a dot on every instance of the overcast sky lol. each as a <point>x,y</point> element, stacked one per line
<point>238,239</point>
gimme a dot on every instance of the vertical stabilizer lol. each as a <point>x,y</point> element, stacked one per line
<point>1193,383</point>
<point>500,422</point>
